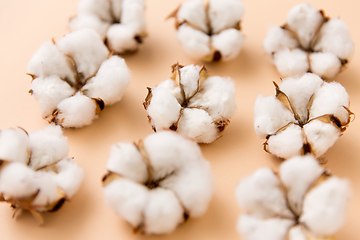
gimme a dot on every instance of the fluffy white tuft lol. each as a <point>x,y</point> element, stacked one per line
<point>290,62</point>
<point>14,145</point>
<point>278,38</point>
<point>228,42</point>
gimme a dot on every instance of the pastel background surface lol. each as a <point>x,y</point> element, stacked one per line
<point>25,25</point>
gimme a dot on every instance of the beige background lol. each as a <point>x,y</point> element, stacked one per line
<point>25,24</point>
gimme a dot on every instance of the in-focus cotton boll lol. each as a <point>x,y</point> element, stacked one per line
<point>37,176</point>
<point>192,103</point>
<point>301,201</point>
<point>211,31</point>
<point>158,183</point>
<point>120,24</point>
<point>306,115</point>
<point>76,77</point>
<point>309,42</point>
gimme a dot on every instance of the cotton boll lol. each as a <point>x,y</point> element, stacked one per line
<point>76,111</point>
<point>16,181</point>
<point>116,8</point>
<point>126,160</point>
<point>225,14</point>
<point>287,143</point>
<point>195,43</point>
<point>49,91</point>
<point>14,145</point>
<point>197,124</point>
<point>291,62</point>
<point>121,38</point>
<point>298,174</point>
<point>216,96</point>
<point>110,82</point>
<point>321,136</point>
<point>327,65</point>
<point>228,43</point>
<point>334,37</point>
<point>99,8</point>
<point>331,99</point>
<point>305,21</point>
<point>69,176</point>
<point>297,233</point>
<point>127,199</point>
<point>261,194</point>
<point>270,115</point>
<point>253,228</point>
<point>164,110</point>
<point>48,146</point>
<point>163,212</point>
<point>89,21</point>
<point>189,79</point>
<point>86,48</point>
<point>133,12</point>
<point>278,38</point>
<point>325,207</point>
<point>193,12</point>
<point>299,90</point>
<point>48,60</point>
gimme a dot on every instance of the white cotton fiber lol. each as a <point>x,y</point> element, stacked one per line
<point>110,81</point>
<point>14,145</point>
<point>305,21</point>
<point>189,79</point>
<point>193,12</point>
<point>321,136</point>
<point>290,62</point>
<point>86,20</point>
<point>278,38</point>
<point>76,111</point>
<point>224,14</point>
<point>270,115</point>
<point>261,195</point>
<point>163,212</point>
<point>327,65</point>
<point>126,160</point>
<point>100,8</point>
<point>49,91</point>
<point>48,146</point>
<point>86,48</point>
<point>48,191</point>
<point>331,98</point>
<point>228,43</point>
<point>121,38</point>
<point>287,143</point>
<point>133,12</point>
<point>335,37</point>
<point>253,228</point>
<point>195,43</point>
<point>298,174</point>
<point>297,233</point>
<point>325,206</point>
<point>116,9</point>
<point>48,60</point>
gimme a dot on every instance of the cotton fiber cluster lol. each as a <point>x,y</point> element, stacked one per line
<point>192,103</point>
<point>159,183</point>
<point>76,77</point>
<point>309,41</point>
<point>300,202</point>
<point>307,115</point>
<point>35,172</point>
<point>210,32</point>
<point>120,23</point>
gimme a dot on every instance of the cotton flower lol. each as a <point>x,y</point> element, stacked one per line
<point>120,23</point>
<point>307,115</point>
<point>75,78</point>
<point>210,32</point>
<point>300,202</point>
<point>159,183</point>
<point>35,172</point>
<point>309,41</point>
<point>192,103</point>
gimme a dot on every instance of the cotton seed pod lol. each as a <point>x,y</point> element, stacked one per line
<point>210,32</point>
<point>120,23</point>
<point>302,201</point>
<point>309,42</point>
<point>75,78</point>
<point>158,183</point>
<point>306,115</point>
<point>35,173</point>
<point>192,103</point>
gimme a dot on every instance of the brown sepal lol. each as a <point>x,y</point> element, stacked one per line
<point>148,98</point>
<point>100,105</point>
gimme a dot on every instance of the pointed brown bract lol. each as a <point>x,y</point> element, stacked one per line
<point>109,177</point>
<point>148,98</point>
